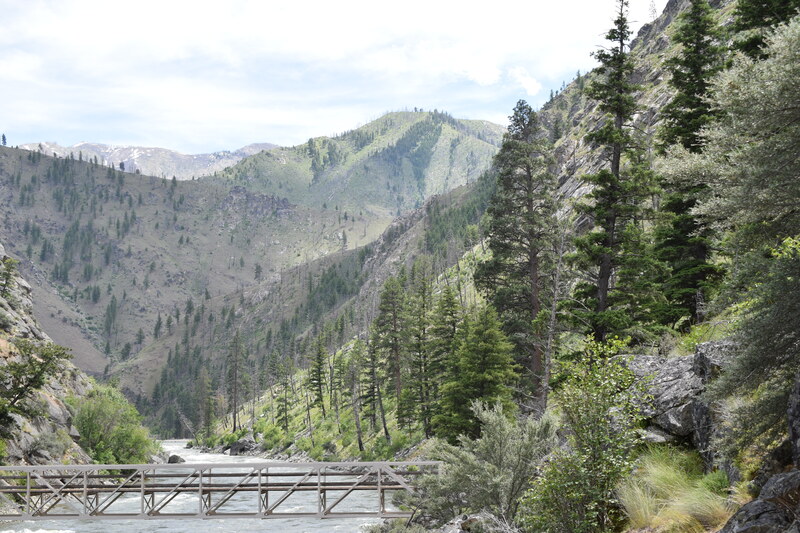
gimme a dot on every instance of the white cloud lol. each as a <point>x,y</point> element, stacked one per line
<point>525,80</point>
<point>197,75</point>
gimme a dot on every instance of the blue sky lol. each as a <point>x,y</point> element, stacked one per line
<point>200,76</point>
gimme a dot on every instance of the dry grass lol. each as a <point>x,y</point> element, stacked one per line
<point>669,493</point>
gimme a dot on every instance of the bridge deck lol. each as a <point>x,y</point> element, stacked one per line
<point>209,490</point>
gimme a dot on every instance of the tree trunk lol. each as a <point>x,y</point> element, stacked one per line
<point>357,417</point>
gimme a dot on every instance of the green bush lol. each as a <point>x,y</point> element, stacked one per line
<point>599,403</point>
<point>490,473</point>
<point>55,444</point>
<point>111,429</point>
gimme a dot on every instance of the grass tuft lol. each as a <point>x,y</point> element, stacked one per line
<point>669,492</point>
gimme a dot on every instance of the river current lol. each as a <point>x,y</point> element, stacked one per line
<point>238,525</point>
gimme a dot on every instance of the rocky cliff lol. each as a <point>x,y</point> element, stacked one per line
<point>678,412</point>
<point>47,437</point>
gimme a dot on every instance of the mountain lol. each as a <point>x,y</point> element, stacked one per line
<point>387,166</point>
<point>152,161</point>
<point>108,252</point>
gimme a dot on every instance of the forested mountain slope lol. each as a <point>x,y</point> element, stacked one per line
<point>108,252</point>
<point>388,166</point>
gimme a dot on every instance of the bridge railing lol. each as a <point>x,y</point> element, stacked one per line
<point>208,490</point>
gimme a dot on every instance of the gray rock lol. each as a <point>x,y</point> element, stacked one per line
<point>673,388</point>
<point>759,517</point>
<point>783,489</point>
<point>243,446</point>
<point>775,510</point>
<point>793,418</point>
<point>773,464</point>
<point>175,459</point>
<point>710,358</point>
<point>656,435</point>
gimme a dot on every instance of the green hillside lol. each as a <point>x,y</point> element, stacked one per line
<point>109,252</point>
<point>383,168</point>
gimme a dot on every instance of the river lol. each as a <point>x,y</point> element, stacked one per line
<point>239,525</point>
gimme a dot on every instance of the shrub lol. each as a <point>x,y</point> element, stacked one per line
<point>111,429</point>
<point>598,400</point>
<point>54,444</point>
<point>490,473</point>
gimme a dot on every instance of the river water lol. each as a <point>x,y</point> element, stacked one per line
<point>183,525</point>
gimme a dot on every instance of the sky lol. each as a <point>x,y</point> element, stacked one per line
<point>197,76</point>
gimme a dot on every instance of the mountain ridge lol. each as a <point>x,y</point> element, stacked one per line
<point>153,161</point>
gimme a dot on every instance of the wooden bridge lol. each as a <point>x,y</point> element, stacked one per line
<point>210,490</point>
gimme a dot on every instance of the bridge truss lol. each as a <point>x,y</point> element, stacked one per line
<point>209,490</point>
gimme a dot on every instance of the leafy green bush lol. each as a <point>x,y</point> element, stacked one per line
<point>111,429</point>
<point>576,490</point>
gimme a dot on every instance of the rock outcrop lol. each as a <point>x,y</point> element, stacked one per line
<point>49,436</point>
<point>793,415</point>
<point>243,446</point>
<point>676,409</point>
<point>776,510</point>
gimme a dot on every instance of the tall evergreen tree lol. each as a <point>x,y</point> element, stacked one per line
<point>692,69</point>
<point>617,197</point>
<point>751,163</point>
<point>521,232</point>
<point>422,376</point>
<point>391,331</point>
<point>445,329</point>
<point>683,240</point>
<point>235,364</point>
<point>317,375</point>
<point>754,18</point>
<point>485,371</point>
<point>284,371</point>
<point>204,402</point>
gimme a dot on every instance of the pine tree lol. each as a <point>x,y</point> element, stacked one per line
<point>391,331</point>
<point>754,18</point>
<point>616,200</point>
<point>422,372</point>
<point>692,70</point>
<point>204,401</point>
<point>521,233</point>
<point>445,330</point>
<point>284,379</point>
<point>485,371</point>
<point>316,375</point>
<point>683,240</point>
<point>750,162</point>
<point>376,379</point>
<point>235,374</point>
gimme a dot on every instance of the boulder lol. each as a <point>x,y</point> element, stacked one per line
<point>673,388</point>
<point>175,459</point>
<point>793,416</point>
<point>656,435</point>
<point>710,358</point>
<point>783,489</point>
<point>243,446</point>
<point>773,464</point>
<point>759,516</point>
<point>776,509</point>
